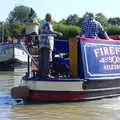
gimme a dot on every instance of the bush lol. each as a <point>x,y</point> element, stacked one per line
<point>69,31</point>
<point>113,30</point>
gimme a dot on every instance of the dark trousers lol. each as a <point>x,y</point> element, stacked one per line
<point>44,61</point>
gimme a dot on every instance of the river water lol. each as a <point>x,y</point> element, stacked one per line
<point>104,109</point>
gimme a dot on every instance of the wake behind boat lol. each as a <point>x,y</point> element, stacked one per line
<point>91,71</point>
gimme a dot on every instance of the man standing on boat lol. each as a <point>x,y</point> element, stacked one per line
<point>46,45</point>
<point>92,28</point>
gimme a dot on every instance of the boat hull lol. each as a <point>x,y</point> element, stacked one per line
<point>6,53</point>
<point>19,54</point>
<point>11,54</point>
<point>53,96</point>
<point>94,72</point>
<point>68,90</point>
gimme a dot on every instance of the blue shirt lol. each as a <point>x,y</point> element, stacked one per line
<point>92,28</point>
<point>47,40</point>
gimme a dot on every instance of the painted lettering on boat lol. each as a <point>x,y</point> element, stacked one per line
<point>106,51</point>
<point>109,55</point>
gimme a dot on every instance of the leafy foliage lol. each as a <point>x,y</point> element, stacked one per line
<point>114,21</point>
<point>102,19</point>
<point>16,28</point>
<point>113,30</point>
<point>70,27</point>
<point>69,31</point>
<point>20,14</point>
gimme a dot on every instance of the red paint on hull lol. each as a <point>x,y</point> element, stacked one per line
<point>56,96</point>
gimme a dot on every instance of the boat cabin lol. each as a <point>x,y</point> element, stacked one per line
<point>86,58</point>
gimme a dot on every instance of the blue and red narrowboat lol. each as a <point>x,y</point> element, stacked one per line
<point>90,70</point>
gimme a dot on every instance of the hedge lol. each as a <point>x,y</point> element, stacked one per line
<point>69,31</point>
<point>113,30</point>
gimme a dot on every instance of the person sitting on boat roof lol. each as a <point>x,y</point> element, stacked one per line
<point>46,45</point>
<point>91,28</point>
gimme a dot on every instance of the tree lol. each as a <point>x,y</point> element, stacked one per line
<point>4,32</point>
<point>81,21</point>
<point>71,20</point>
<point>63,21</point>
<point>16,19</point>
<point>101,18</point>
<point>114,21</point>
<point>16,28</point>
<point>20,14</point>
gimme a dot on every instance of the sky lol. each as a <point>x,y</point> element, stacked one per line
<point>63,8</point>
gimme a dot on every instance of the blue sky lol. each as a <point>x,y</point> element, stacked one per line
<point>63,8</point>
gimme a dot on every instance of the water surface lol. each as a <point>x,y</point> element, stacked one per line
<point>104,109</point>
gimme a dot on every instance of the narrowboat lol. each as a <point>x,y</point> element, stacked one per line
<point>83,69</point>
<point>6,52</point>
<point>11,53</point>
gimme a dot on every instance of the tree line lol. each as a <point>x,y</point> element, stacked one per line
<point>70,26</point>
